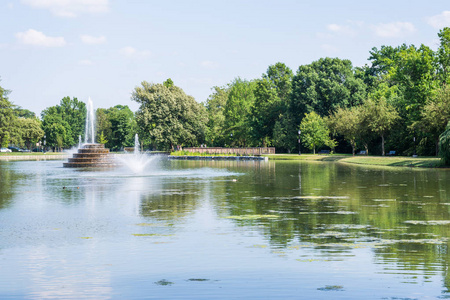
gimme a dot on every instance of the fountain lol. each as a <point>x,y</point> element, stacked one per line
<point>90,154</point>
<point>136,161</point>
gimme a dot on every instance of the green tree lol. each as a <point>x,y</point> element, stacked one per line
<point>57,131</point>
<point>271,101</point>
<point>325,85</point>
<point>215,107</point>
<point>29,132</point>
<point>24,113</point>
<point>381,116</point>
<point>314,132</point>
<point>122,129</point>
<point>241,98</point>
<point>168,117</point>
<point>71,115</point>
<point>7,117</point>
<point>443,55</point>
<point>346,121</point>
<point>444,145</point>
<point>435,115</point>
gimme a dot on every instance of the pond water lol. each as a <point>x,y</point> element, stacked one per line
<point>224,230</point>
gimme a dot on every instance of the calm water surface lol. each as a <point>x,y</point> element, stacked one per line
<point>224,230</point>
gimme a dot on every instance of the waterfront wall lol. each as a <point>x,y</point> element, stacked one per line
<point>33,157</point>
<point>236,151</point>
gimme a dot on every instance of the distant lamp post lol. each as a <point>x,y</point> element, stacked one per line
<point>299,150</point>
<point>414,139</point>
<point>44,143</point>
<point>231,139</point>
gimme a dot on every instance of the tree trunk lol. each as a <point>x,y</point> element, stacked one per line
<point>382,145</point>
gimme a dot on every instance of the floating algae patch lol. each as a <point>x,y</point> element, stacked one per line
<point>258,246</point>
<point>164,282</point>
<point>252,217</point>
<point>431,222</point>
<point>151,234</point>
<point>198,279</point>
<point>86,237</point>
<point>312,260</point>
<point>320,197</point>
<point>338,212</point>
<point>329,288</point>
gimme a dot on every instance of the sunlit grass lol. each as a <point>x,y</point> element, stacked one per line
<point>391,161</point>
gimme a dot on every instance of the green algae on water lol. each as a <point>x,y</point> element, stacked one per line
<point>252,217</point>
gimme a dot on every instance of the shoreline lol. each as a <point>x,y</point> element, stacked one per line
<point>388,161</point>
<point>32,157</point>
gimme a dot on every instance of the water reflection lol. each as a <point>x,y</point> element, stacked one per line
<point>101,234</point>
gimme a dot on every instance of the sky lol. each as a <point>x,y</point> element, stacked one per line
<point>103,49</point>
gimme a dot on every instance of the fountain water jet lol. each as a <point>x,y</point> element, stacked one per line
<point>90,154</point>
<point>136,161</point>
<point>89,131</point>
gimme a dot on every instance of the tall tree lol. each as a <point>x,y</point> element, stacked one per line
<point>168,117</point>
<point>443,55</point>
<point>7,117</point>
<point>346,121</point>
<point>324,86</point>
<point>241,98</point>
<point>381,116</point>
<point>29,132</point>
<point>63,123</point>
<point>215,107</point>
<point>271,101</point>
<point>435,115</point>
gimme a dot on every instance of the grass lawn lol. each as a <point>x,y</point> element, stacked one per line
<point>393,161</point>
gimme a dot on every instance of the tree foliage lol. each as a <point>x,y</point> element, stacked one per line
<point>215,107</point>
<point>271,102</point>
<point>315,132</point>
<point>7,117</point>
<point>241,97</point>
<point>168,117</point>
<point>117,125</point>
<point>324,86</point>
<point>63,123</point>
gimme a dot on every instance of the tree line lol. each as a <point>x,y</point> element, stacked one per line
<point>399,101</point>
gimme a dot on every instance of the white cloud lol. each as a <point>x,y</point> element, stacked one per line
<point>133,52</point>
<point>394,29</point>
<point>70,8</point>
<point>341,29</point>
<point>37,38</point>
<point>92,40</point>
<point>440,21</point>
<point>209,64</point>
<point>85,62</point>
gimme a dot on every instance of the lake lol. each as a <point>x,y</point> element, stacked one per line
<point>224,230</point>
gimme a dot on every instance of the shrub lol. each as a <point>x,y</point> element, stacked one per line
<point>444,145</point>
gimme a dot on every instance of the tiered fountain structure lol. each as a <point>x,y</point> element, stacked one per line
<point>90,154</point>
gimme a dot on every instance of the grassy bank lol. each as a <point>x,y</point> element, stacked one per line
<point>392,161</point>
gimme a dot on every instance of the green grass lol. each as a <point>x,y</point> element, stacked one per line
<point>392,161</point>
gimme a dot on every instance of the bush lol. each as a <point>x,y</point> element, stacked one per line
<point>444,145</point>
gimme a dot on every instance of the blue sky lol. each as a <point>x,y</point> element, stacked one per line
<point>50,49</point>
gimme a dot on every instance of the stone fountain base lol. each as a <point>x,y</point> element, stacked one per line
<point>91,155</point>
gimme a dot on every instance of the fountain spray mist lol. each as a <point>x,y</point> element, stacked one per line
<point>89,131</point>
